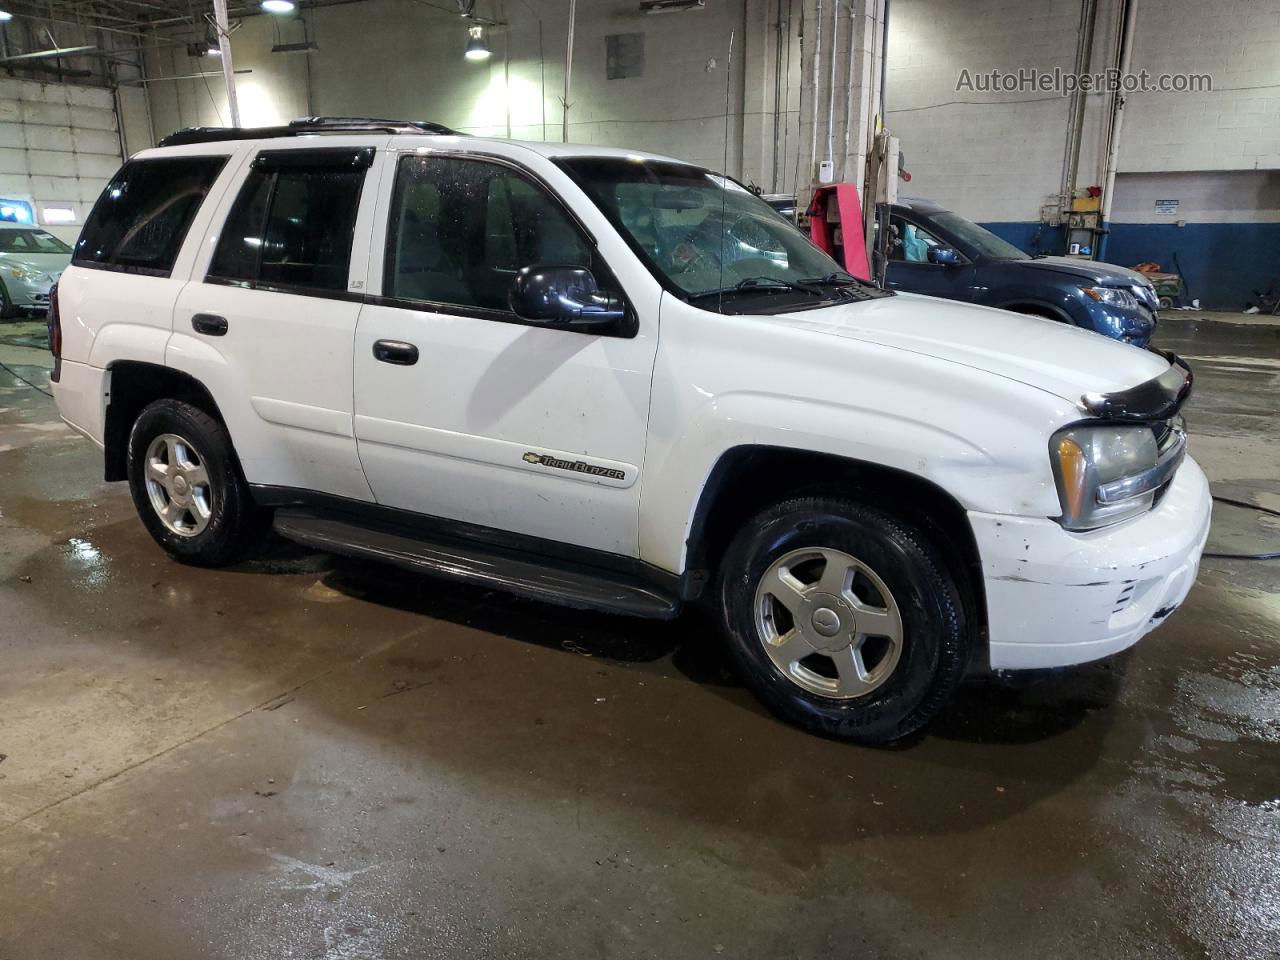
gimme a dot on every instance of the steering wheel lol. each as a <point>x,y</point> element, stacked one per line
<point>747,231</point>
<point>688,255</point>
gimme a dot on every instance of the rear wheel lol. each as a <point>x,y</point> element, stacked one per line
<point>8,309</point>
<point>187,487</point>
<point>843,619</point>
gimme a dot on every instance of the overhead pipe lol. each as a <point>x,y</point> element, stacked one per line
<point>831,93</point>
<point>883,6</point>
<point>880,15</point>
<point>228,71</point>
<point>817,61</point>
<point>777,97</point>
<point>1079,99</point>
<point>871,239</point>
<point>568,70</point>
<point>1117,122</point>
<point>542,65</point>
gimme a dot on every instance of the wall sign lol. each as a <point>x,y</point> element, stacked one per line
<point>1167,208</point>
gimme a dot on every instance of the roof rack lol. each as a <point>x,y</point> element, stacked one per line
<point>302,127</point>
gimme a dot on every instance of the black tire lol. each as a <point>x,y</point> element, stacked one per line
<point>935,643</point>
<point>8,309</point>
<point>235,523</point>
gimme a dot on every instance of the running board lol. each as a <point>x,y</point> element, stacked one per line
<point>525,575</point>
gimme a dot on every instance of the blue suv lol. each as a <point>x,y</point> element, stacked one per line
<point>941,254</point>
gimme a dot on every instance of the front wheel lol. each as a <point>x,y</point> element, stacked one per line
<point>187,487</point>
<point>843,619</point>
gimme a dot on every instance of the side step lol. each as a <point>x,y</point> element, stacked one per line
<point>557,582</point>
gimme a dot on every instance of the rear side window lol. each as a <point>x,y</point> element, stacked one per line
<point>293,223</point>
<point>141,219</point>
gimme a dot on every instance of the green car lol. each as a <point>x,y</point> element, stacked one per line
<point>31,260</point>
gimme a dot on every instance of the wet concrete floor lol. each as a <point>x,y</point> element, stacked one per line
<point>315,758</point>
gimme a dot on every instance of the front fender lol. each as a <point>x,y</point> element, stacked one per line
<point>721,383</point>
<point>972,469</point>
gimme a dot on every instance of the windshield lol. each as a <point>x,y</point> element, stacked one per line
<point>981,241</point>
<point>31,241</point>
<point>709,238</point>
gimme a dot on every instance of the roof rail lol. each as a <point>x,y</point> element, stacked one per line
<point>301,127</point>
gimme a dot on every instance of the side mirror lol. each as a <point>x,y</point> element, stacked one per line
<point>557,293</point>
<point>944,256</point>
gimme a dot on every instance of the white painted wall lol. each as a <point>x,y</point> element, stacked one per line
<point>58,146</point>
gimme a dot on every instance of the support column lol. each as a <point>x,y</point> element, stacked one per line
<point>841,56</point>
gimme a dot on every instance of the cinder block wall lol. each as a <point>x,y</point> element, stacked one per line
<point>397,58</point>
<point>987,161</point>
<point>997,162</point>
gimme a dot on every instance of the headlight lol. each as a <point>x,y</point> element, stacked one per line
<point>25,273</point>
<point>1112,296</point>
<point>1102,472</point>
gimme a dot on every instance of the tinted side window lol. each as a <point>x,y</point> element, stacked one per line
<point>461,229</point>
<point>141,219</point>
<point>240,244</point>
<point>291,227</point>
<point>909,243</point>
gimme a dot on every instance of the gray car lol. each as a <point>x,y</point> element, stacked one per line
<point>31,260</point>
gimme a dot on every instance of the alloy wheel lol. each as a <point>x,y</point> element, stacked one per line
<point>828,622</point>
<point>178,485</point>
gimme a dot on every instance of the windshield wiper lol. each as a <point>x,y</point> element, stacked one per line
<point>846,284</point>
<point>842,279</point>
<point>761,284</point>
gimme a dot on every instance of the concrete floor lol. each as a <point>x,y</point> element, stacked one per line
<point>306,757</point>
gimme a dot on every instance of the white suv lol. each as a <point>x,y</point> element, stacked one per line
<point>620,382</point>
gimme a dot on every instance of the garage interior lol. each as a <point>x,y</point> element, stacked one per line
<point>310,756</point>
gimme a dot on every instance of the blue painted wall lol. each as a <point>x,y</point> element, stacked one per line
<point>1221,263</point>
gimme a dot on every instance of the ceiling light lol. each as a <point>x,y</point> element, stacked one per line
<point>213,51</point>
<point>477,47</point>
<point>5,16</point>
<point>278,6</point>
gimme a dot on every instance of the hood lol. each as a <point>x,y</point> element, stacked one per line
<point>1099,273</point>
<point>1050,356</point>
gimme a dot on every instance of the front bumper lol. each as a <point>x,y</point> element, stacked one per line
<point>29,294</point>
<point>1056,598</point>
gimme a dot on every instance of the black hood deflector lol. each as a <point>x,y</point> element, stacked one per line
<point>1156,399</point>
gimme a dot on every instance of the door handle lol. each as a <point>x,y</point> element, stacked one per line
<point>395,351</point>
<point>209,324</point>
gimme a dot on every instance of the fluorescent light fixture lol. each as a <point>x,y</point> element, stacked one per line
<point>671,6</point>
<point>58,215</point>
<point>213,51</point>
<point>278,6</point>
<point>5,16</point>
<point>477,47</point>
<point>306,46</point>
